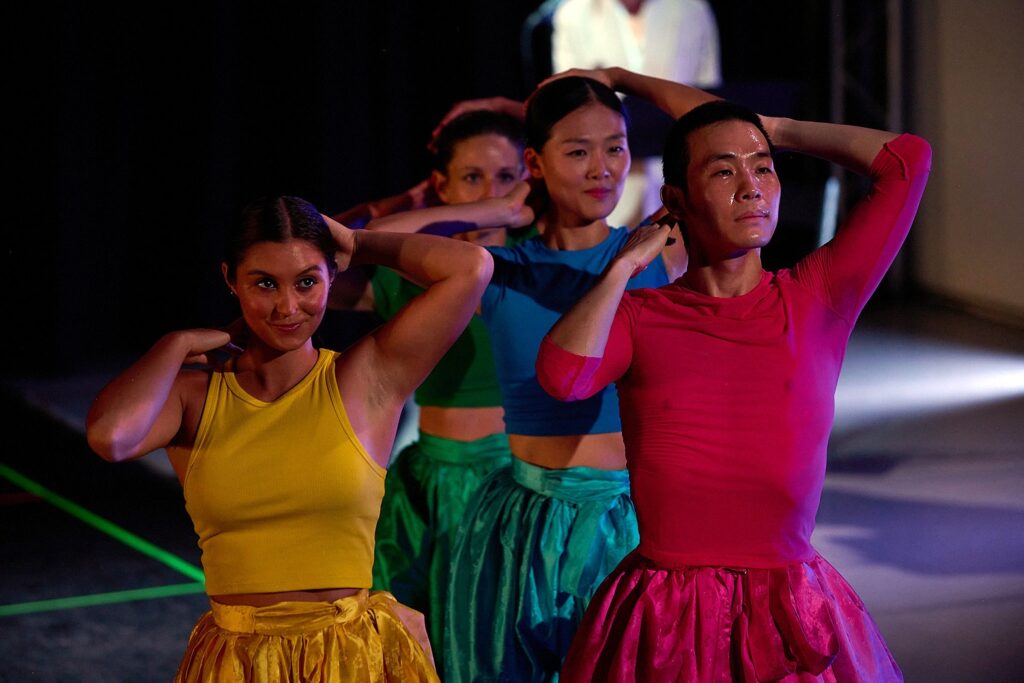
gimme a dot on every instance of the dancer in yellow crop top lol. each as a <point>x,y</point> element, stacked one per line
<point>282,451</point>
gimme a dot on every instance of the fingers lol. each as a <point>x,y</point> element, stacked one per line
<point>519,192</point>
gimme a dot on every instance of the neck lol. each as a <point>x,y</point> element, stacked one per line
<point>563,235</point>
<point>267,373</point>
<point>725,278</point>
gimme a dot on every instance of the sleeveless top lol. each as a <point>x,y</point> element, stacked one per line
<point>282,494</point>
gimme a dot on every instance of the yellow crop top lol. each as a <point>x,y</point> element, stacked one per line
<point>282,494</point>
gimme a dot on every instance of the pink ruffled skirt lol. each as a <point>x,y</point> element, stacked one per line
<point>797,623</point>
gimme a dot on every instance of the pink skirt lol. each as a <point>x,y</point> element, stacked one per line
<point>797,623</point>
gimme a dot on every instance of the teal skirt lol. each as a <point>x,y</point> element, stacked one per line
<point>425,496</point>
<point>533,548</point>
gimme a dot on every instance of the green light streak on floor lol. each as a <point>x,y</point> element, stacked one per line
<point>102,599</point>
<point>107,527</point>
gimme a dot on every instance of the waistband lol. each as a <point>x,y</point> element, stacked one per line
<point>463,452</point>
<point>289,618</point>
<point>573,484</point>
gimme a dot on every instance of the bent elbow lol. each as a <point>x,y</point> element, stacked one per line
<point>564,375</point>
<point>106,443</point>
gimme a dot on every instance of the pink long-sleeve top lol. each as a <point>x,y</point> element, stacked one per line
<point>727,403</point>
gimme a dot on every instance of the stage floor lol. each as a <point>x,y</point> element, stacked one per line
<point>923,512</point>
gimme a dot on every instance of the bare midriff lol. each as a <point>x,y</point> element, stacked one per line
<point>264,599</point>
<point>462,424</point>
<point>600,451</point>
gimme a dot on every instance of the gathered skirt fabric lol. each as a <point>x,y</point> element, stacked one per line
<point>799,623</point>
<point>364,637</point>
<point>426,493</point>
<point>534,546</point>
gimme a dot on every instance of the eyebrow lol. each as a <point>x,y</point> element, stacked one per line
<point>307,269</point>
<point>728,156</point>
<point>580,141</point>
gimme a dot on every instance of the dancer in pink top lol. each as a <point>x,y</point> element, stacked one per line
<point>727,380</point>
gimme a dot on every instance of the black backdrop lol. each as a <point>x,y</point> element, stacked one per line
<point>139,130</point>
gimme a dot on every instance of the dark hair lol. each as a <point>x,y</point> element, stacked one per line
<point>470,125</point>
<point>559,98</point>
<point>676,159</point>
<point>279,219</point>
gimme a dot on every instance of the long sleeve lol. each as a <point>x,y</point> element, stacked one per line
<point>849,268</point>
<point>570,377</point>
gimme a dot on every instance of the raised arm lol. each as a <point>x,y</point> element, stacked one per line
<point>675,99</point>
<point>849,268</point>
<point>510,210</point>
<point>575,361</point>
<point>142,408</point>
<point>391,362</point>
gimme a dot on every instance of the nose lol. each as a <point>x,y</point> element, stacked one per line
<point>491,189</point>
<point>598,167</point>
<point>287,302</point>
<point>749,188</point>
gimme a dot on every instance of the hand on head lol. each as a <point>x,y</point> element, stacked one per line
<point>600,75</point>
<point>645,243</point>
<point>346,242</point>
<point>201,342</point>
<point>498,104</point>
<point>519,213</point>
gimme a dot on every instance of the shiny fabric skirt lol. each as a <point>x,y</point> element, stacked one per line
<point>359,638</point>
<point>534,546</point>
<point>797,623</point>
<point>425,496</point>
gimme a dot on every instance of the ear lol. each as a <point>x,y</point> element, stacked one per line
<point>227,280</point>
<point>674,200</point>
<point>533,163</point>
<point>439,181</point>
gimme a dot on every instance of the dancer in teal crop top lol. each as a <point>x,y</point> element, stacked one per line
<point>287,602</point>
<point>538,537</point>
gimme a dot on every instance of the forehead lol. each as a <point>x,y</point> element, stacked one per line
<point>733,137</point>
<point>592,121</point>
<point>485,147</point>
<point>289,257</point>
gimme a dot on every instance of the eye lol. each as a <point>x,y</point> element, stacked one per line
<point>617,149</point>
<point>766,170</point>
<point>723,172</point>
<point>506,178</point>
<point>577,153</point>
<point>308,282</point>
<point>266,283</point>
<point>471,178</point>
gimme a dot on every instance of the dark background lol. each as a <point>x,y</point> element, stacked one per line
<point>141,130</point>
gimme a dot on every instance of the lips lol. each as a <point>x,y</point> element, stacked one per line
<point>599,192</point>
<point>290,327</point>
<point>753,216</point>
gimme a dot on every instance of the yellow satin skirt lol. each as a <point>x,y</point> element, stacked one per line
<point>364,637</point>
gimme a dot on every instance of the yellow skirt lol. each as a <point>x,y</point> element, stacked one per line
<point>364,637</point>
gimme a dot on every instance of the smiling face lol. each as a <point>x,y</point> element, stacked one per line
<point>282,288</point>
<point>731,201</point>
<point>583,164</point>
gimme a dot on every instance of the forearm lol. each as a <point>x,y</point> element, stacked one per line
<point>126,410</point>
<point>472,215</point>
<point>675,99</point>
<point>425,259</point>
<point>852,147</point>
<point>584,329</point>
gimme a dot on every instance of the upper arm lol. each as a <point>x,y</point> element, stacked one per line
<point>571,377</point>
<point>850,267</point>
<point>398,355</point>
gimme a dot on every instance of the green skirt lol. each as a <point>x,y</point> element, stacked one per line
<point>425,496</point>
<point>534,547</point>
